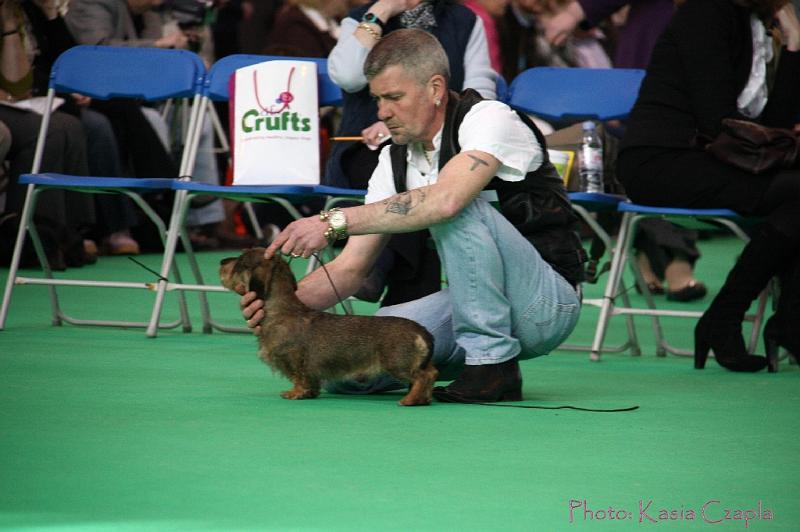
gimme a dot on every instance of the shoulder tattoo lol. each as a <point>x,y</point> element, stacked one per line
<point>476,162</point>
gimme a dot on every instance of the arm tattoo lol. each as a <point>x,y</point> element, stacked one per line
<point>403,203</point>
<point>477,161</point>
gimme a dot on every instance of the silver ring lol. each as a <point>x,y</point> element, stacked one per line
<point>295,255</point>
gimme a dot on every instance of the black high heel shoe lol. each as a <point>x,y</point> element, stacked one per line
<point>775,337</point>
<point>725,338</point>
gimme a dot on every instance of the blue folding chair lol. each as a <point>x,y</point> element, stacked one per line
<point>632,214</point>
<point>573,94</point>
<point>104,72</point>
<point>287,196</point>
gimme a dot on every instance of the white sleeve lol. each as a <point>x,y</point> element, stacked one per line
<point>346,60</point>
<point>478,73</point>
<point>381,183</point>
<point>494,128</point>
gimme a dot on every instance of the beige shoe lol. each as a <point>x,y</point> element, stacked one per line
<point>121,243</point>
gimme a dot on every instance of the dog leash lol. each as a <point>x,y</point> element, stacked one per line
<point>563,407</point>
<point>158,275</point>
<point>341,302</point>
<point>330,280</point>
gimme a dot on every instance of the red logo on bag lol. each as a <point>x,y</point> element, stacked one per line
<point>277,117</point>
<point>285,98</point>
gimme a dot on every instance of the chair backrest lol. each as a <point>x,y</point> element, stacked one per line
<point>106,72</point>
<point>216,85</point>
<point>501,86</point>
<point>576,93</point>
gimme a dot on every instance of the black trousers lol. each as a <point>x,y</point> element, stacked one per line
<point>65,152</point>
<point>695,179</point>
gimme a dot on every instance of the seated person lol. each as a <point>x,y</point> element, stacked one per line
<point>700,74</point>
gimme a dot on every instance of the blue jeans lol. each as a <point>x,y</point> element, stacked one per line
<point>503,299</point>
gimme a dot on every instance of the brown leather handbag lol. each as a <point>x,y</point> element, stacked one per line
<point>755,148</point>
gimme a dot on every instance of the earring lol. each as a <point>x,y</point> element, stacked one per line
<point>438,102</point>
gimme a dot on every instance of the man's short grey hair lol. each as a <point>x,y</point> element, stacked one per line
<point>417,52</point>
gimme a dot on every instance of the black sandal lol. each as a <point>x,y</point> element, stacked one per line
<point>692,291</point>
<point>655,289</point>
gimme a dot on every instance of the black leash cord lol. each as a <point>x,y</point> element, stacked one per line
<point>330,280</point>
<point>158,275</point>
<point>564,407</point>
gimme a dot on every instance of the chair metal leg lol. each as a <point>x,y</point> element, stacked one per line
<point>58,315</point>
<point>632,342</point>
<point>633,339</point>
<point>658,331</point>
<point>205,311</point>
<point>166,264</point>
<point>28,209</point>
<point>612,288</point>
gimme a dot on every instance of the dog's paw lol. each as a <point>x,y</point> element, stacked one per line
<point>414,401</point>
<point>299,394</point>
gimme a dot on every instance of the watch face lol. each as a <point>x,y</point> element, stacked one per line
<point>372,19</point>
<point>338,219</point>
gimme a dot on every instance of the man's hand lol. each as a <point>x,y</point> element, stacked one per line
<point>386,9</point>
<point>300,238</point>
<point>252,310</point>
<point>375,135</point>
<point>8,13</point>
<point>48,7</point>
<point>789,26</point>
<point>559,26</point>
<point>81,100</point>
<point>176,39</point>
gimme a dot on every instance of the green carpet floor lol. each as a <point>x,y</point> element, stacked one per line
<point>105,429</point>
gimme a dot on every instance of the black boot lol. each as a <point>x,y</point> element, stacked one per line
<point>720,328</point>
<point>781,329</point>
<point>484,384</point>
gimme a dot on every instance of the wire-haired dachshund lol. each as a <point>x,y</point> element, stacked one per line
<point>309,346</point>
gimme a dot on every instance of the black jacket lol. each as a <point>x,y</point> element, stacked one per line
<point>699,66</point>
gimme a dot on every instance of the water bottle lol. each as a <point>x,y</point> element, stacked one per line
<point>591,159</point>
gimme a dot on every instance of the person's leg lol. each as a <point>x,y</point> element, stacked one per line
<point>507,302</point>
<point>782,203</point>
<point>690,178</point>
<point>62,213</point>
<point>649,275</point>
<point>116,213</point>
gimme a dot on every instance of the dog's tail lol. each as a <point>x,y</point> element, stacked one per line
<point>428,338</point>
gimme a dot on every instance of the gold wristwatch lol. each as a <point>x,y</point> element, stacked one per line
<point>337,224</point>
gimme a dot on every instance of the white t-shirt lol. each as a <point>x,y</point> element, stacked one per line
<point>489,126</point>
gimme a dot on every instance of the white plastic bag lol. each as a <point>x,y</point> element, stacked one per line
<point>275,124</point>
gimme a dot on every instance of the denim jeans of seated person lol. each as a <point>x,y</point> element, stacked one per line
<point>503,300</point>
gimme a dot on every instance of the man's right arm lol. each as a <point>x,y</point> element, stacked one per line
<point>347,272</point>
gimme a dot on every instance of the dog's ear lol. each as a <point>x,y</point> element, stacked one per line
<point>260,277</point>
<point>285,270</point>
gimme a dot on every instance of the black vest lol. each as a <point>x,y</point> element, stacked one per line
<point>538,206</point>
